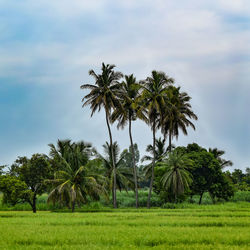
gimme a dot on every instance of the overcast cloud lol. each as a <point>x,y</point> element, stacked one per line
<point>47,48</point>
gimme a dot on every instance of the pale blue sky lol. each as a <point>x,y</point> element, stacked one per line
<point>47,48</point>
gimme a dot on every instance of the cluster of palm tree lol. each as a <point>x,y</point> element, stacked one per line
<point>154,100</point>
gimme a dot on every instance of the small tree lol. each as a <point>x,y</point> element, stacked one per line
<point>33,172</point>
<point>176,178</point>
<point>124,175</point>
<point>74,181</point>
<point>14,190</point>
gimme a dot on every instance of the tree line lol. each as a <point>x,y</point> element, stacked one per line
<point>75,172</point>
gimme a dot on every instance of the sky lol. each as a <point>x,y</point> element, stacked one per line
<point>47,48</point>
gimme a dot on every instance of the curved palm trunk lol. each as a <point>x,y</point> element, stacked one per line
<point>134,166</point>
<point>153,168</point>
<point>113,162</point>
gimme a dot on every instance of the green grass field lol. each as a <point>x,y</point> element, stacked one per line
<point>222,226</point>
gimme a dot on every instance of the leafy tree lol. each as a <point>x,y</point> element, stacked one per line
<point>247,176</point>
<point>154,100</point>
<point>207,174</point>
<point>127,156</point>
<point>14,190</point>
<point>33,172</point>
<point>176,178</point>
<point>239,179</point>
<point>124,176</point>
<point>104,94</point>
<point>74,181</point>
<point>178,114</point>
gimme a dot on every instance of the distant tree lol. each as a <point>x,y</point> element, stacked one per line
<point>74,181</point>
<point>240,180</point>
<point>126,154</point>
<point>105,94</point>
<point>247,177</point>
<point>237,176</point>
<point>207,174</point>
<point>33,172</point>
<point>14,190</point>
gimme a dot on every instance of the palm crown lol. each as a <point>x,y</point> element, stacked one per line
<point>105,91</point>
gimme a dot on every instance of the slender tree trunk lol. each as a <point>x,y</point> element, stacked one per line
<point>73,206</point>
<point>134,166</point>
<point>113,161</point>
<point>170,141</point>
<point>112,191</point>
<point>34,203</point>
<point>153,167</point>
<point>200,198</point>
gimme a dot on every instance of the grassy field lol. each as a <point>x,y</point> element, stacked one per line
<point>222,226</point>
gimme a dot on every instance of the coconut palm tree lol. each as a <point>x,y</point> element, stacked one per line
<point>104,94</point>
<point>217,154</point>
<point>73,182</point>
<point>124,177</point>
<point>154,100</point>
<point>160,154</point>
<point>127,113</point>
<point>177,177</point>
<point>178,114</point>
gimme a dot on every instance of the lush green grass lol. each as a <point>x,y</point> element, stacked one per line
<point>223,226</point>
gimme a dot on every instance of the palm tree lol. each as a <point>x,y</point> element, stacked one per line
<point>104,94</point>
<point>176,178</point>
<point>127,113</point>
<point>154,100</point>
<point>217,154</point>
<point>73,182</point>
<point>160,154</point>
<point>177,114</point>
<point>124,177</point>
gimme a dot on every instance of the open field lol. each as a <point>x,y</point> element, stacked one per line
<point>223,226</point>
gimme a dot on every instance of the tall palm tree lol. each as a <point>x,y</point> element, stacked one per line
<point>217,154</point>
<point>178,114</point>
<point>73,182</point>
<point>124,177</point>
<point>104,94</point>
<point>177,177</point>
<point>154,100</point>
<point>127,113</point>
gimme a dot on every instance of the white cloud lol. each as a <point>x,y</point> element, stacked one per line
<point>235,6</point>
